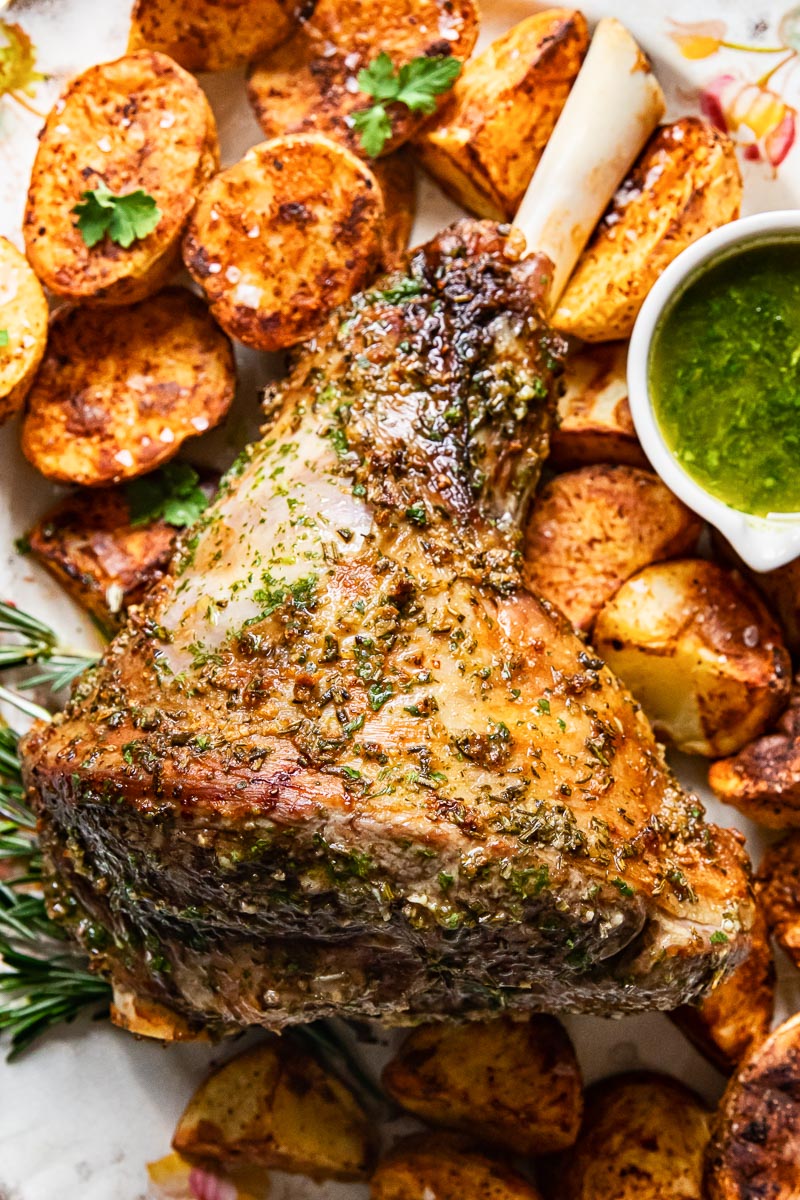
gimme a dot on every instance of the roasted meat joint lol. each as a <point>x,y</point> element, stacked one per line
<point>340,760</point>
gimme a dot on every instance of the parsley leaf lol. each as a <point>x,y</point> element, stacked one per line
<point>3,337</point>
<point>123,218</point>
<point>416,85</point>
<point>17,61</point>
<point>172,494</point>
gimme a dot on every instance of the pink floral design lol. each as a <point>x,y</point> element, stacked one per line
<point>761,120</point>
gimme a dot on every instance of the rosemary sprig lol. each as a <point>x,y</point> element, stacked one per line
<point>24,640</point>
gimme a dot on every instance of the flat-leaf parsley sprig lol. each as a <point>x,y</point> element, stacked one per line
<point>124,218</point>
<point>172,494</point>
<point>416,85</point>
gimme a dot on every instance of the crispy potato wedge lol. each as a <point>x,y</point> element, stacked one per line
<point>284,236</point>
<point>211,36</point>
<point>643,1138</point>
<point>173,1177</point>
<point>484,143</point>
<point>594,418</point>
<point>397,178</point>
<point>763,779</point>
<point>737,1014</point>
<point>437,1167</point>
<point>23,328</point>
<point>276,1106</point>
<point>309,84</point>
<point>754,1150</point>
<point>778,892</point>
<point>515,1084</point>
<point>593,528</point>
<point>698,649</point>
<point>119,392</point>
<point>141,122</point>
<point>685,183</point>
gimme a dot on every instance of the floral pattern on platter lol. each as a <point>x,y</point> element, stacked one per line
<point>752,111</point>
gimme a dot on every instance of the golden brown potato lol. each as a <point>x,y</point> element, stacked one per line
<point>642,1138</point>
<point>593,528</point>
<point>398,183</point>
<point>276,1106</point>
<point>118,392</point>
<point>594,417</point>
<point>780,588</point>
<point>754,1152</point>
<point>737,1014</point>
<point>141,122</point>
<point>282,237</point>
<point>309,84</point>
<point>211,36</point>
<point>437,1167</point>
<point>23,328</point>
<point>778,892</point>
<point>515,1084</point>
<point>484,143</point>
<point>174,1175</point>
<point>685,183</point>
<point>147,1018</point>
<point>699,651</point>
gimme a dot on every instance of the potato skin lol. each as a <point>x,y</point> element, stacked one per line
<point>284,236</point>
<point>754,1150</point>
<point>513,1084</point>
<point>397,178</point>
<point>23,316</point>
<point>160,136</point>
<point>594,418</point>
<point>276,1106</point>
<point>216,37</point>
<point>446,1168</point>
<point>593,528</point>
<point>778,892</point>
<point>685,183</point>
<point>699,651</point>
<point>308,85</point>
<point>486,140</point>
<point>118,392</point>
<point>643,1138</point>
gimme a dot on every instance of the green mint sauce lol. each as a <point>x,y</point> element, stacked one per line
<point>724,376</point>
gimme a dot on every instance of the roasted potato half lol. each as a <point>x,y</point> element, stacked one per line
<point>699,651</point>
<point>23,328</point>
<point>593,528</point>
<point>780,588</point>
<point>397,178</point>
<point>210,36</point>
<point>437,1167</point>
<point>685,183</point>
<point>276,1106</point>
<point>282,237</point>
<point>594,418</point>
<point>484,143</point>
<point>515,1084</point>
<point>778,891</point>
<point>310,83</point>
<point>118,392</point>
<point>755,1145</point>
<point>642,1138</point>
<point>139,123</point>
<point>737,1014</point>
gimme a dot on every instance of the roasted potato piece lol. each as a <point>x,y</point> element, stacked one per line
<point>397,178</point>
<point>118,393</point>
<point>141,122</point>
<point>515,1084</point>
<point>685,183</point>
<point>211,36</point>
<point>754,1150</point>
<point>442,1168</point>
<point>276,1106</point>
<point>173,1177</point>
<point>780,588</point>
<point>23,328</point>
<point>699,651</point>
<point>593,528</point>
<point>778,891</point>
<point>282,237</point>
<point>484,143</point>
<point>309,84</point>
<point>737,1014</point>
<point>594,417</point>
<point>642,1138</point>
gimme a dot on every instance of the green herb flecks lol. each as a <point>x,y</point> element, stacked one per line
<point>3,338</point>
<point>416,85</point>
<point>172,494</point>
<point>125,219</point>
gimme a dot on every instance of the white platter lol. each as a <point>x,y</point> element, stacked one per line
<point>83,1113</point>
